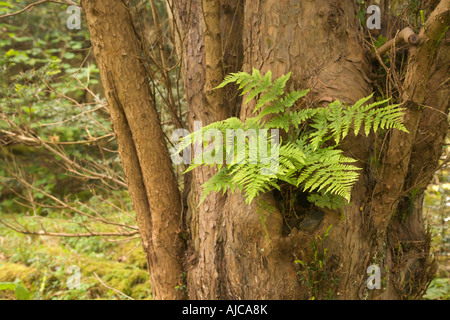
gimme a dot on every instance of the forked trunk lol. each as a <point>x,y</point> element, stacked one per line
<point>238,251</point>
<point>233,255</point>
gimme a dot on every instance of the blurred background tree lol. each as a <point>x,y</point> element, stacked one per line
<point>60,174</point>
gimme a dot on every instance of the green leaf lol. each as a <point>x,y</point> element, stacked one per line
<point>306,160</point>
<point>21,292</point>
<point>7,286</point>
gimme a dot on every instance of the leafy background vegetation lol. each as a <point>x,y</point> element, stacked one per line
<point>45,71</point>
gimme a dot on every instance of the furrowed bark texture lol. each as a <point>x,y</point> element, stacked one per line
<point>238,251</point>
<point>395,166</point>
<point>316,41</point>
<point>409,163</point>
<point>407,237</point>
<point>142,147</point>
<point>232,254</point>
<point>202,31</point>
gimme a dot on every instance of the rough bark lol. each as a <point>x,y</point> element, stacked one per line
<point>408,239</point>
<point>237,251</point>
<point>233,255</point>
<point>200,47</point>
<point>389,189</point>
<point>143,150</point>
<point>318,43</point>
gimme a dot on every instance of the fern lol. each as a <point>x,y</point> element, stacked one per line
<point>304,160</point>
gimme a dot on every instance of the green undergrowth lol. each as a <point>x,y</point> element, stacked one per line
<point>437,212</point>
<point>42,265</point>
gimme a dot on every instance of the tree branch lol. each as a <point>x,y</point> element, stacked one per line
<point>407,35</point>
<point>69,235</point>
<point>66,2</point>
<point>389,189</point>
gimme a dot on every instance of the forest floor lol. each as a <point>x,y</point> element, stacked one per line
<point>46,266</point>
<point>437,215</point>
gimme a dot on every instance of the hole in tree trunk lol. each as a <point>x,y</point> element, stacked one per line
<point>298,213</point>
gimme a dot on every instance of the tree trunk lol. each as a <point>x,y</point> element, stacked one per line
<point>232,255</point>
<point>142,146</point>
<point>238,251</point>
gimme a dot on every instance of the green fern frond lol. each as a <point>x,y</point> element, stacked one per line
<point>305,160</point>
<point>330,201</point>
<point>221,181</point>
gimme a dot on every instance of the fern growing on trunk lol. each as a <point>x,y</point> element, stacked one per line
<point>308,158</point>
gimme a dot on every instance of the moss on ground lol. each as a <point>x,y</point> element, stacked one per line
<point>42,266</point>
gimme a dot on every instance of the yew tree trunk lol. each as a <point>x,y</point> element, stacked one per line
<point>230,256</point>
<point>230,253</point>
<point>142,147</point>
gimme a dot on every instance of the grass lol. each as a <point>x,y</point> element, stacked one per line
<point>42,264</point>
<point>437,211</point>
